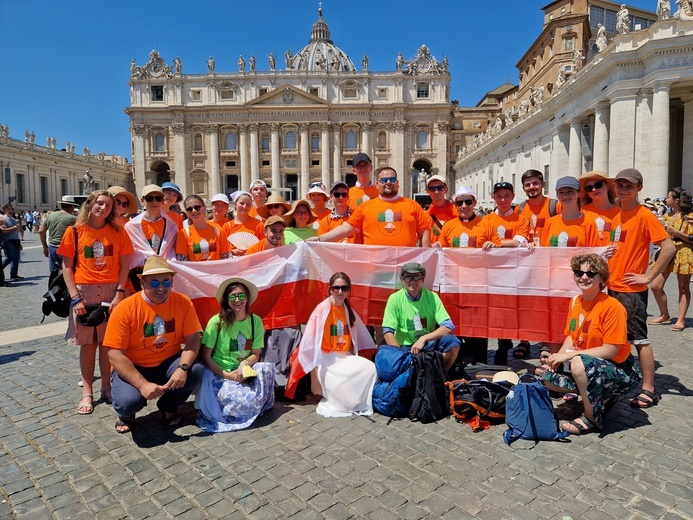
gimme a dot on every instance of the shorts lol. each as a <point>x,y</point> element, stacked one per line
<point>636,307</point>
<point>93,294</point>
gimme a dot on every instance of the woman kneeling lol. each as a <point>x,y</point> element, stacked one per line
<point>601,365</point>
<point>235,388</point>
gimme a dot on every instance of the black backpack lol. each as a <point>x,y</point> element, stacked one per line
<point>57,300</point>
<point>430,396</point>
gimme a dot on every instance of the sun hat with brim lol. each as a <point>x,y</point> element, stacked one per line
<point>252,288</point>
<point>289,217</point>
<point>173,187</point>
<point>319,189</point>
<point>594,176</point>
<point>156,265</point>
<point>151,188</point>
<point>463,191</point>
<point>263,211</point>
<point>506,375</point>
<point>132,200</point>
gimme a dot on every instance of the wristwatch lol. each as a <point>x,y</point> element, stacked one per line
<point>184,367</point>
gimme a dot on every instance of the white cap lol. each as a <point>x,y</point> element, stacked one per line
<point>439,178</point>
<point>463,190</point>
<point>220,197</point>
<point>258,182</point>
<point>236,194</point>
<point>319,188</point>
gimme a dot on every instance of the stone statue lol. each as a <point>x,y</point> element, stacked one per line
<point>663,9</point>
<point>251,61</point>
<point>446,65</point>
<point>241,64</point>
<point>288,59</point>
<point>72,148</point>
<point>364,62</point>
<point>88,186</point>
<point>685,11</point>
<point>623,20</point>
<point>4,130</point>
<point>508,117</point>
<point>539,94</point>
<point>335,62</point>
<point>272,61</point>
<point>524,107</point>
<point>577,60</point>
<point>560,79</point>
<point>87,152</point>
<point>26,136</point>
<point>32,137</point>
<point>133,67</point>
<point>601,38</point>
<point>399,62</point>
<point>304,63</point>
<point>102,155</point>
<point>211,64</point>
<point>497,126</point>
<point>178,65</point>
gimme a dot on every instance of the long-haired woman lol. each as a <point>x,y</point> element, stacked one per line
<point>202,239</point>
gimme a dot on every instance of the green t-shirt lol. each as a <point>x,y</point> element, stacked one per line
<point>412,319</point>
<point>231,346</point>
<point>56,223</point>
<point>293,234</point>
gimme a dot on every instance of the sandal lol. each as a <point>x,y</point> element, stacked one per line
<point>639,402</point>
<point>172,420</point>
<point>522,349</point>
<point>587,426</point>
<point>544,356</point>
<point>106,395</point>
<point>662,320</point>
<point>125,424</point>
<point>84,408</point>
<point>678,327</point>
<point>569,398</point>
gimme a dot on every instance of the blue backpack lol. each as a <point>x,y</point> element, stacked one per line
<point>529,413</point>
<point>394,389</point>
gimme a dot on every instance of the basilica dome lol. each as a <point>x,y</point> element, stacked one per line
<point>320,54</point>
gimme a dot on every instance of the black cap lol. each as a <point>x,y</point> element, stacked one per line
<point>503,186</point>
<point>360,157</point>
<point>338,184</point>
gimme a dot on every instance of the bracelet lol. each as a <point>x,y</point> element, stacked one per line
<point>75,297</point>
<point>120,291</point>
<point>690,238</point>
<point>76,301</point>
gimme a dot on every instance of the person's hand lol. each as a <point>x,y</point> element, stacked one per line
<point>315,387</point>
<point>152,391</point>
<point>634,279</point>
<point>119,296</point>
<point>238,252</point>
<point>234,375</point>
<point>313,239</point>
<point>80,308</point>
<point>610,251</point>
<point>177,380</point>
<point>530,246</point>
<point>557,359</point>
<point>488,245</point>
<point>438,245</point>
<point>418,345</point>
<point>45,251</point>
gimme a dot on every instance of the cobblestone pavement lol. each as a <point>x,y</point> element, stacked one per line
<point>293,463</point>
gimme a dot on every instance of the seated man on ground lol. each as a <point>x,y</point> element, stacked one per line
<point>415,317</point>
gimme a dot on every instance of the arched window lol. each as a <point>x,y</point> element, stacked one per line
<point>351,140</point>
<point>382,140</point>
<point>197,143</point>
<point>422,140</point>
<point>315,142</point>
<point>159,143</point>
<point>290,140</point>
<point>230,141</point>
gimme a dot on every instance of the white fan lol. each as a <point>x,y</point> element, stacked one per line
<point>243,240</point>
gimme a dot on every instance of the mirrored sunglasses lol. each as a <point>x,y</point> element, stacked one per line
<point>155,284</point>
<point>240,297</point>
<point>385,180</point>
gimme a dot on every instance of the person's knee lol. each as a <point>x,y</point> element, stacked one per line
<point>577,367</point>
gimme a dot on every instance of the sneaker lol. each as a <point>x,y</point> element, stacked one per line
<point>16,277</point>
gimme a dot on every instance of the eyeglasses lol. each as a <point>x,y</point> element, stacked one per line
<point>464,202</point>
<point>122,203</point>
<point>385,180</point>
<point>316,185</point>
<point>340,288</point>
<point>155,284</point>
<point>302,212</point>
<point>234,297</point>
<point>439,187</point>
<point>151,198</point>
<point>274,206</point>
<point>502,186</point>
<point>412,277</point>
<point>340,194</point>
<point>596,186</point>
<point>579,274</point>
<point>193,208</point>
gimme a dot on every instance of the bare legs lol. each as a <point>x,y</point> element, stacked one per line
<point>660,297</point>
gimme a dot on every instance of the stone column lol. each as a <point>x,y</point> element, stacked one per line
<point>181,178</point>
<point>600,148</point>
<point>214,186</point>
<point>442,153</point>
<point>305,159</point>
<point>337,153</point>
<point>622,131</point>
<point>366,138</point>
<point>254,152</point>
<point>404,176</point>
<point>325,153</point>
<point>243,157</point>
<point>276,157</point>
<point>687,152</point>
<point>657,175</point>
<point>138,158</point>
<point>575,150</point>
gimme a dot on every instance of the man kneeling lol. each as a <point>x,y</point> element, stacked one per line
<point>144,338</point>
<point>415,317</point>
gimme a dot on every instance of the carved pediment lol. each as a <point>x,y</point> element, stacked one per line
<point>287,95</point>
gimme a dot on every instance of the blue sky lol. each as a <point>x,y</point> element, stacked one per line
<point>65,65</point>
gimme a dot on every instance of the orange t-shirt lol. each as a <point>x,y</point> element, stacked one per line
<point>176,217</point>
<point>251,225</point>
<point>202,244</point>
<point>602,320</point>
<point>98,254</point>
<point>446,213</point>
<point>359,195</point>
<point>252,212</point>
<point>538,216</point>
<point>256,248</point>
<point>154,231</point>
<point>633,231</point>
<point>322,214</point>
<point>148,333</point>
<point>560,232</point>
<point>506,227</point>
<point>603,220</point>
<point>336,337</point>
<point>328,224</point>
<point>395,223</point>
<point>474,233</point>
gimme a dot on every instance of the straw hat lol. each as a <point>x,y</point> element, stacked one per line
<point>289,217</point>
<point>156,265</point>
<point>272,199</point>
<point>132,200</point>
<point>252,288</point>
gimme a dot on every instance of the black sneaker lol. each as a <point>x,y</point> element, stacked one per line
<point>17,277</point>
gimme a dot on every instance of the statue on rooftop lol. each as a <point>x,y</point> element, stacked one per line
<point>663,9</point>
<point>272,61</point>
<point>211,64</point>
<point>601,38</point>
<point>241,64</point>
<point>623,20</point>
<point>399,63</point>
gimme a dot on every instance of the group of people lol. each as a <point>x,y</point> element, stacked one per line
<point>114,254</point>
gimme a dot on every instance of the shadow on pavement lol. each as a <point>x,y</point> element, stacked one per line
<point>9,358</point>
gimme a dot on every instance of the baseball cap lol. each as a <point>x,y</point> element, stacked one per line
<point>359,157</point>
<point>258,182</point>
<point>439,178</point>
<point>173,186</point>
<point>151,188</point>
<point>220,197</point>
<point>503,186</point>
<point>412,268</point>
<point>462,191</point>
<point>275,219</point>
<point>156,265</point>
<point>338,184</point>
<point>630,174</point>
<point>568,182</point>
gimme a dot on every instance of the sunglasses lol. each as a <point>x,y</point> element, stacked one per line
<point>155,284</point>
<point>502,186</point>
<point>464,202</point>
<point>340,288</point>
<point>579,274</point>
<point>412,277</point>
<point>151,198</point>
<point>340,194</point>
<point>122,203</point>
<point>234,297</point>
<point>596,186</point>
<point>385,180</point>
<point>193,208</point>
<point>440,187</point>
<point>274,206</point>
<point>316,185</point>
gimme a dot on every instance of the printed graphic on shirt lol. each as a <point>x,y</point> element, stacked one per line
<point>155,331</point>
<point>240,344</point>
<point>618,234</point>
<point>155,242</point>
<point>563,240</point>
<point>464,240</point>
<point>98,252</point>
<point>362,200</point>
<point>390,222</point>
<point>337,331</point>
<point>417,325</point>
<point>503,233</point>
<point>204,248</point>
